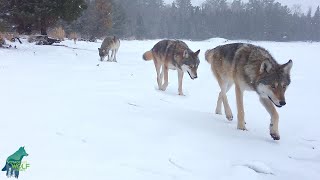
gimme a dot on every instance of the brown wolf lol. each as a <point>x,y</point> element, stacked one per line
<point>176,55</point>
<point>250,67</point>
<point>109,43</point>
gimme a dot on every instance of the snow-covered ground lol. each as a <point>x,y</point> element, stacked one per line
<point>81,121</point>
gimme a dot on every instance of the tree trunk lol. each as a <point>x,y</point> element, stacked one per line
<point>43,28</point>
<point>43,31</point>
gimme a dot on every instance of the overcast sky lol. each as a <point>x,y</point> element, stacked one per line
<point>305,4</point>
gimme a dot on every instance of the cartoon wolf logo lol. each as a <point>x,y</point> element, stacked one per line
<point>13,163</point>
<point>110,43</point>
<point>175,55</point>
<point>250,67</point>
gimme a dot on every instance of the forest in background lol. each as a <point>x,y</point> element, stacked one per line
<point>153,19</point>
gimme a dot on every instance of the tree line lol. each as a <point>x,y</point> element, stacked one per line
<point>153,19</point>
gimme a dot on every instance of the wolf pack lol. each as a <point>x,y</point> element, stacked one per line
<point>247,66</point>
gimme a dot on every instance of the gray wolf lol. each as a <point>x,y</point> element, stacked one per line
<point>110,43</point>
<point>250,67</point>
<point>13,163</point>
<point>175,55</point>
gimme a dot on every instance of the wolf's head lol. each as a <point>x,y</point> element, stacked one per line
<point>18,155</point>
<point>274,81</point>
<point>103,53</point>
<point>22,151</point>
<point>190,63</point>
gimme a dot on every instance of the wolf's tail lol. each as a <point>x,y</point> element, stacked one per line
<point>147,56</point>
<point>4,168</point>
<point>209,55</point>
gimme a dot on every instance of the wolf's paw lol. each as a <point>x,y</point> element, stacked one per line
<point>163,87</point>
<point>275,136</point>
<point>242,127</point>
<point>274,133</point>
<point>229,117</point>
<point>181,94</point>
<point>218,111</point>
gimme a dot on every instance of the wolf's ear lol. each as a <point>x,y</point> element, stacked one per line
<point>265,66</point>
<point>197,53</point>
<point>185,54</point>
<point>287,67</point>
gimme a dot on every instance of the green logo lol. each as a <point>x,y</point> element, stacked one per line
<point>14,163</point>
<point>19,165</point>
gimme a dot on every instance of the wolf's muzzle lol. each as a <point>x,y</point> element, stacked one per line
<point>282,103</point>
<point>279,106</point>
<point>195,77</point>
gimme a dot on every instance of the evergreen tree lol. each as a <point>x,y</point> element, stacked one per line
<point>140,30</point>
<point>236,19</point>
<point>119,20</point>
<point>316,25</point>
<point>41,14</point>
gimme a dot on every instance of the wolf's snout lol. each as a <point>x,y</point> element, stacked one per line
<point>282,103</point>
<point>195,77</point>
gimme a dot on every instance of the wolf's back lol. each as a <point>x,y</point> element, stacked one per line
<point>108,42</point>
<point>166,48</point>
<point>225,52</point>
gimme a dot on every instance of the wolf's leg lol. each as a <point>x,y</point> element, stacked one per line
<point>165,72</point>
<point>158,68</point>
<point>224,86</point>
<point>9,172</point>
<point>161,74</point>
<point>108,56</point>
<point>274,131</point>
<point>115,55</point>
<point>219,102</point>
<point>16,173</point>
<point>8,169</point>
<point>180,77</point>
<point>239,96</point>
<point>111,57</point>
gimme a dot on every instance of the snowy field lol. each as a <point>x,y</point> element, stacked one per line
<point>81,121</point>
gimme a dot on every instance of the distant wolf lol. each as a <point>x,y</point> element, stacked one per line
<point>13,163</point>
<point>175,55</point>
<point>250,67</point>
<point>110,43</point>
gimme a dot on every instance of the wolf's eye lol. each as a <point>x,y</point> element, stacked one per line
<point>284,86</point>
<point>273,86</point>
